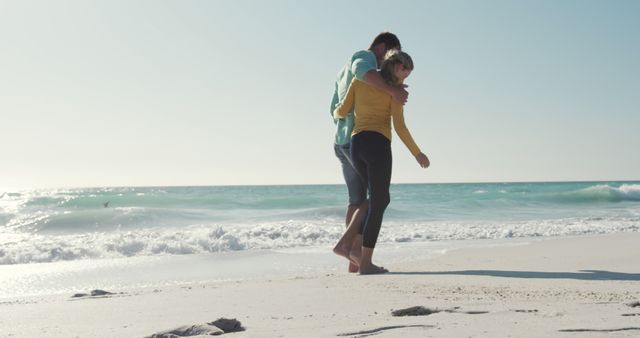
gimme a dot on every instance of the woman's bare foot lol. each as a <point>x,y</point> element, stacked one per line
<point>353,268</point>
<point>354,255</point>
<point>345,252</point>
<point>372,269</point>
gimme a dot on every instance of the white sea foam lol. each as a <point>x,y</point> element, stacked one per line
<point>27,248</point>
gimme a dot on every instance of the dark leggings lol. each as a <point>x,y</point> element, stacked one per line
<point>371,156</point>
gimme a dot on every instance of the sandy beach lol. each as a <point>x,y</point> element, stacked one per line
<point>555,287</point>
<point>187,168</point>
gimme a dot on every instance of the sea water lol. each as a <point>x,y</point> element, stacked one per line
<point>57,240</point>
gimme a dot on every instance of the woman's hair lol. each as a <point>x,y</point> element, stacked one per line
<point>391,59</point>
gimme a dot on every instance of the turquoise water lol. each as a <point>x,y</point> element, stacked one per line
<point>74,224</point>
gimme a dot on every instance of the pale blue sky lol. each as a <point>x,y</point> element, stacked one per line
<point>104,93</point>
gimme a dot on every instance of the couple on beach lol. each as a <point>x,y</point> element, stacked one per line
<point>370,93</point>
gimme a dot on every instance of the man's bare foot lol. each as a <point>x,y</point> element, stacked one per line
<point>372,270</point>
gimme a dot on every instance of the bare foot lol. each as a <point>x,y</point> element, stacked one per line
<point>353,268</point>
<point>341,251</point>
<point>354,255</point>
<point>372,270</point>
<point>345,252</point>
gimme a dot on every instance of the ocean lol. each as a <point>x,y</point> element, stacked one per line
<point>95,232</point>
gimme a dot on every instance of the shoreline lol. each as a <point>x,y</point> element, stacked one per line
<point>547,287</point>
<point>64,277</point>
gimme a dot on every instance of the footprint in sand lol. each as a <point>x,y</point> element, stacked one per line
<point>423,311</point>
<point>365,333</point>
<point>526,311</point>
<point>602,330</point>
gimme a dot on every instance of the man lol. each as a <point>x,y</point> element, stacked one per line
<point>362,65</point>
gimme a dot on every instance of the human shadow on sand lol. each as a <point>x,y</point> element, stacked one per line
<point>582,275</point>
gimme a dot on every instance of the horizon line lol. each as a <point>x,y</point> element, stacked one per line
<point>3,190</point>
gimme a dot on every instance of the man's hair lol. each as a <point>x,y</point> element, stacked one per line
<point>390,41</point>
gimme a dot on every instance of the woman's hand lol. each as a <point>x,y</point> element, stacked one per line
<point>423,160</point>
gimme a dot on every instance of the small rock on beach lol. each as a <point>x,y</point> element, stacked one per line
<point>215,328</point>
<point>414,311</point>
<point>94,293</point>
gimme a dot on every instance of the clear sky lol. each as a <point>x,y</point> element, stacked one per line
<point>119,93</point>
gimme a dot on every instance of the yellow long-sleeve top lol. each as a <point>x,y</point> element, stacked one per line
<point>373,111</point>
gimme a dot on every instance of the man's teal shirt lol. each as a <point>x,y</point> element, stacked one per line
<point>360,63</point>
